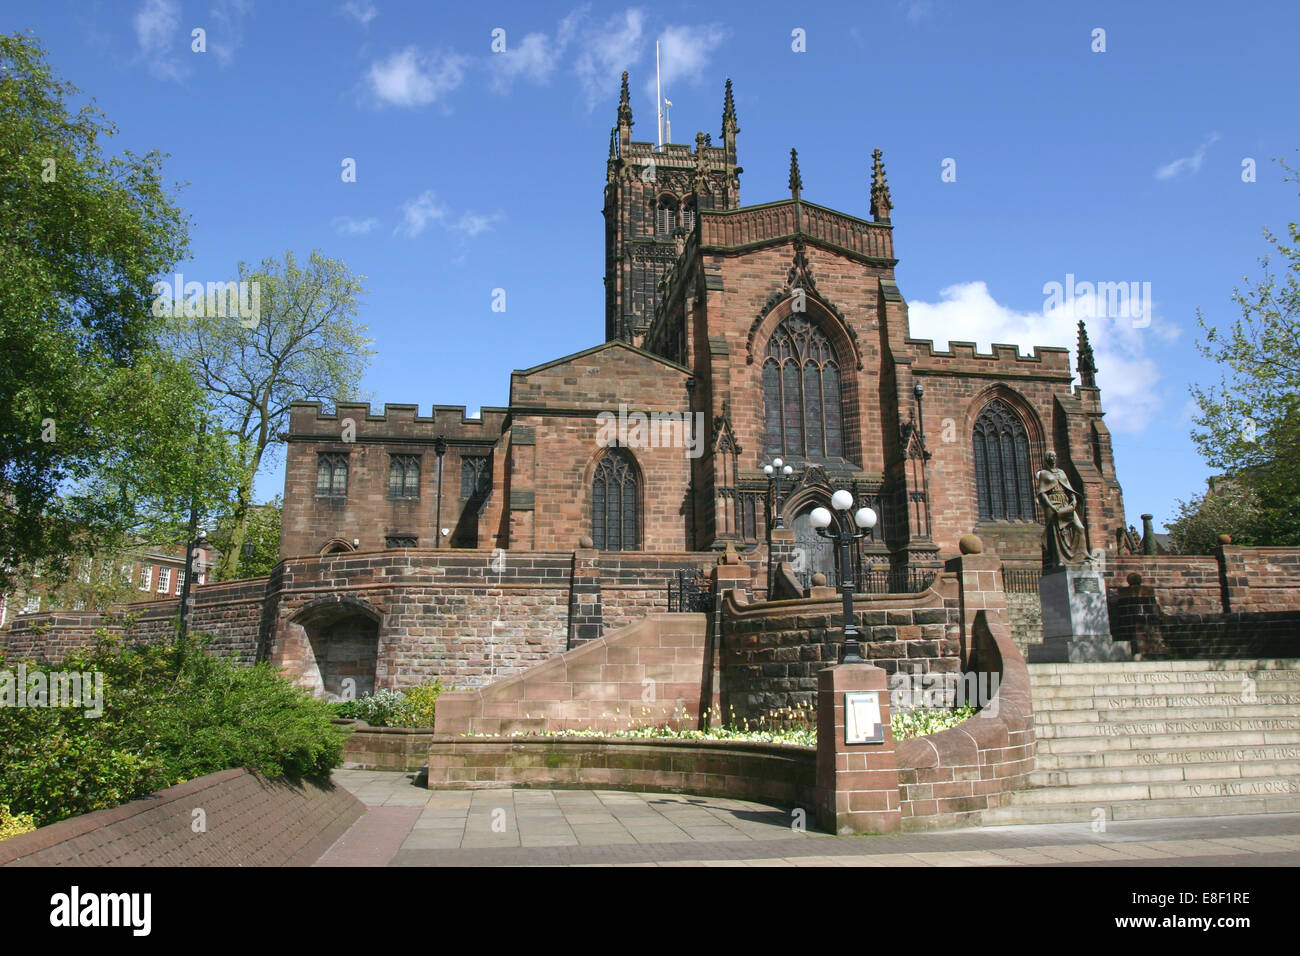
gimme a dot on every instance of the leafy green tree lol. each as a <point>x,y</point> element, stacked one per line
<point>1248,425</point>
<point>1227,507</point>
<point>98,423</point>
<point>304,344</point>
<point>261,547</point>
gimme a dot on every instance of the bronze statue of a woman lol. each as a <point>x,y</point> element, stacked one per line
<point>1063,534</point>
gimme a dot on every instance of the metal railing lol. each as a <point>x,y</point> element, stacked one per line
<point>689,593</point>
<point>894,581</point>
<point>1020,580</point>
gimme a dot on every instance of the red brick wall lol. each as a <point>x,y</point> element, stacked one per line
<point>230,612</point>
<point>1181,582</point>
<point>1262,579</point>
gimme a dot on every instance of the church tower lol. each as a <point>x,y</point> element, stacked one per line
<point>651,198</point>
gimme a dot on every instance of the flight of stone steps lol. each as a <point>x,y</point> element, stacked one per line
<point>1152,739</point>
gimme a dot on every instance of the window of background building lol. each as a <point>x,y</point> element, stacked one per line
<point>403,476</point>
<point>331,474</point>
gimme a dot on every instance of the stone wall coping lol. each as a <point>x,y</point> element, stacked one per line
<point>534,740</point>
<point>931,597</point>
<point>361,727</point>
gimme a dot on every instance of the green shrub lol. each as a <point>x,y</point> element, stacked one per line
<point>171,713</point>
<point>11,825</point>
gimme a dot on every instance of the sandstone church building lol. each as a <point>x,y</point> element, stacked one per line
<point>770,330</point>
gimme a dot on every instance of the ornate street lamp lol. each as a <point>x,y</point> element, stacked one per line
<point>844,535</point>
<point>774,472</point>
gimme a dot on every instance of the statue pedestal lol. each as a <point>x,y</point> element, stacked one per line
<point>1076,623</point>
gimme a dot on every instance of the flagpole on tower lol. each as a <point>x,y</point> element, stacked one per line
<point>659,97</point>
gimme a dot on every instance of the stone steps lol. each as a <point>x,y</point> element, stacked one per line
<point>1165,774</point>
<point>1151,739</point>
<point>1117,759</point>
<point>1227,708</point>
<point>1149,742</point>
<point>1138,810</point>
<point>1060,705</point>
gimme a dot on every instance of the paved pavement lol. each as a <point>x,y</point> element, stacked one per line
<point>407,825</point>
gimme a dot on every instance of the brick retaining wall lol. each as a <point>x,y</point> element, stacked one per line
<point>947,778</point>
<point>773,651</point>
<point>767,773</point>
<point>230,611</point>
<point>385,748</point>
<point>250,821</point>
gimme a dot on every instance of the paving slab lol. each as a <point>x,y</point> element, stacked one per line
<point>407,825</point>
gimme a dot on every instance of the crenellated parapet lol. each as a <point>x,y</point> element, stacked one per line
<point>964,358</point>
<point>308,421</point>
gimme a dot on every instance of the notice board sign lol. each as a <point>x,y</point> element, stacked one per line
<point>862,723</point>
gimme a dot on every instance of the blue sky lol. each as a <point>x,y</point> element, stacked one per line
<point>479,170</point>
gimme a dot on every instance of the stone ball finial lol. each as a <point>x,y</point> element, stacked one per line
<point>585,542</point>
<point>1134,579</point>
<point>970,544</point>
<point>819,580</point>
<point>1225,539</point>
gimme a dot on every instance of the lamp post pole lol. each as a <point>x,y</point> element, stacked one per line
<point>774,471</point>
<point>440,449</point>
<point>844,535</point>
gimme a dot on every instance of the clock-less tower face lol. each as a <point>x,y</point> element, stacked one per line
<point>652,196</point>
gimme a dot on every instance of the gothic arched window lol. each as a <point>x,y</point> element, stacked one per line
<point>331,474</point>
<point>1003,478</point>
<point>614,503</point>
<point>403,476</point>
<point>801,393</point>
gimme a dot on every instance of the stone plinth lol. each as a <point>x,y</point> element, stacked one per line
<point>1076,624</point>
<point>857,783</point>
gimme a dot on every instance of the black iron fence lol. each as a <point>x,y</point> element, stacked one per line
<point>689,593</point>
<point>894,580</point>
<point>884,580</point>
<point>1020,580</point>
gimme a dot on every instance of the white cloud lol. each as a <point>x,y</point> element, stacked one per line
<point>346,225</point>
<point>684,53</point>
<point>157,26</point>
<point>1128,377</point>
<point>1188,164</point>
<point>606,51</point>
<point>418,213</point>
<point>536,56</point>
<point>410,78</point>
<point>919,10</point>
<point>361,11</point>
<point>228,35</point>
<point>470,224</point>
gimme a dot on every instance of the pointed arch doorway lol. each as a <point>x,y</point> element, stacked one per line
<point>813,553</point>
